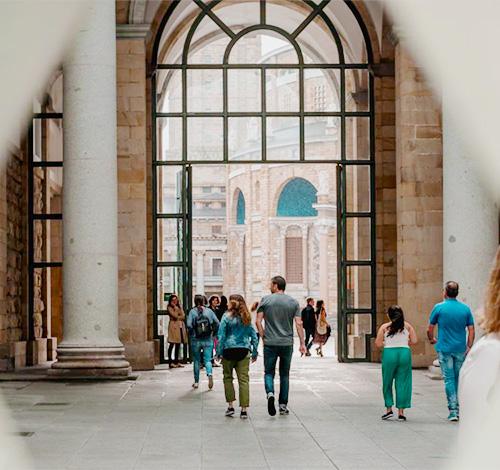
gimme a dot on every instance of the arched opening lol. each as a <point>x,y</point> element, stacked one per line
<point>243,84</point>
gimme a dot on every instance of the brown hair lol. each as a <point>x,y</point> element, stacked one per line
<point>491,320</point>
<point>238,308</point>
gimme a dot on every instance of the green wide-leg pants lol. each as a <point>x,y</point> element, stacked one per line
<point>396,367</point>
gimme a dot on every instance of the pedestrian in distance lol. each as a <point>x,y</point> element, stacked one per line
<point>395,337</point>
<point>309,323</point>
<point>279,311</point>
<point>455,338</point>
<point>202,323</point>
<point>237,346</point>
<point>177,333</point>
<point>323,330</point>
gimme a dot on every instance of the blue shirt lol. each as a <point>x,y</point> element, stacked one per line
<point>452,318</point>
<point>234,334</point>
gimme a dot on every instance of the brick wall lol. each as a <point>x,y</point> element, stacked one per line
<point>419,199</point>
<point>132,202</point>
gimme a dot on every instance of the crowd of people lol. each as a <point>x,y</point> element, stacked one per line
<point>221,331</point>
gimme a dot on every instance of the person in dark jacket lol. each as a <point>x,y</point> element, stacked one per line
<point>309,322</point>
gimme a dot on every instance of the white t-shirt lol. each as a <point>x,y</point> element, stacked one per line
<point>399,340</point>
<point>479,398</point>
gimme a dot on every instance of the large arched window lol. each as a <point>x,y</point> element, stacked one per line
<point>297,199</point>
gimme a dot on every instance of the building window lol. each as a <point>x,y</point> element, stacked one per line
<point>217,267</point>
<point>319,98</point>
<point>216,229</point>
<point>240,209</point>
<point>297,199</point>
<point>293,257</point>
<point>206,189</point>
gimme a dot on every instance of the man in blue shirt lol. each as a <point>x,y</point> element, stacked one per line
<point>453,318</point>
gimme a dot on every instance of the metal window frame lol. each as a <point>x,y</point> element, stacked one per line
<point>317,10</point>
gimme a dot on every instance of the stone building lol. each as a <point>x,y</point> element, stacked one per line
<point>105,209</point>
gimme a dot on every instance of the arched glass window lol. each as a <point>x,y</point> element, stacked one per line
<point>297,199</point>
<point>240,209</point>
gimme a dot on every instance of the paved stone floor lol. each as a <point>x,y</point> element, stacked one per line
<point>159,422</point>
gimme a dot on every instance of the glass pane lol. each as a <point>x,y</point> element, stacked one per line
<point>321,90</point>
<point>47,240</point>
<point>357,136</point>
<point>257,47</point>
<point>245,138</point>
<point>282,138</point>
<point>208,44</point>
<point>358,239</point>
<point>358,280</point>
<point>47,190</point>
<point>170,239</point>
<point>169,139</point>
<point>318,44</point>
<point>357,188</point>
<point>170,281</point>
<point>282,90</point>
<point>285,17</point>
<point>204,90</point>
<point>238,15</point>
<point>169,189</point>
<point>47,140</point>
<point>47,302</point>
<point>322,138</point>
<point>358,326</point>
<point>169,91</point>
<point>163,331</point>
<point>357,90</point>
<point>205,139</point>
<point>244,90</point>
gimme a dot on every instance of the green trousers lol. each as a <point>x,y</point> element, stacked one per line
<point>241,368</point>
<point>396,367</point>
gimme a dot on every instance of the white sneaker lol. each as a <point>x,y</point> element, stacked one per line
<point>196,385</point>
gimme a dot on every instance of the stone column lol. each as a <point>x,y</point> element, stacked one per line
<point>470,217</point>
<point>305,258</point>
<point>200,273</point>
<point>90,345</point>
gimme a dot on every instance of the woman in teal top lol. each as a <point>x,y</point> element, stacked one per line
<point>237,343</point>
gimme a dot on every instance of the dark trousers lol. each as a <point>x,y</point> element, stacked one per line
<point>177,350</point>
<point>309,337</point>
<point>271,356</point>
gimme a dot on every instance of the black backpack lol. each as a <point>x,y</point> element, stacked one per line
<point>201,326</point>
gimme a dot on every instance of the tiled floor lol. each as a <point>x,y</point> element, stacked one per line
<point>159,422</point>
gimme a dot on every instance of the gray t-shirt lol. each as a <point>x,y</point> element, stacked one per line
<point>279,312</point>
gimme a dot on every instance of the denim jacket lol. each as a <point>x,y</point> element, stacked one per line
<point>234,334</point>
<point>193,313</point>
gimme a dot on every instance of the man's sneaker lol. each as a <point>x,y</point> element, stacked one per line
<point>284,410</point>
<point>243,414</point>
<point>230,411</point>
<point>210,382</point>
<point>271,408</point>
<point>195,385</point>
<point>453,416</point>
<point>387,415</point>
<point>401,418</point>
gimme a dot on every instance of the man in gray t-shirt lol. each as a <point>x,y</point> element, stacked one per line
<point>279,311</point>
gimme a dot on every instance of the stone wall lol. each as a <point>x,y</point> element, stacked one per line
<point>419,199</point>
<point>12,258</point>
<point>132,203</point>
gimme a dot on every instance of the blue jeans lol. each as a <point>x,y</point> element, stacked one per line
<point>451,364</point>
<point>199,347</point>
<point>271,355</point>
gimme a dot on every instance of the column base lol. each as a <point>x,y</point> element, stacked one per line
<point>90,362</point>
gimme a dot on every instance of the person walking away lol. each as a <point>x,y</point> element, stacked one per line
<point>213,304</point>
<point>479,386</point>
<point>309,323</point>
<point>278,311</point>
<point>221,308</point>
<point>177,333</point>
<point>453,318</point>
<point>201,323</point>
<point>323,329</point>
<point>395,337</point>
<point>237,343</point>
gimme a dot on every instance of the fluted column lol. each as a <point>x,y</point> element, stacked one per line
<point>90,345</point>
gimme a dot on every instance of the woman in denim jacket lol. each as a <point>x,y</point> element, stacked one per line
<point>238,343</point>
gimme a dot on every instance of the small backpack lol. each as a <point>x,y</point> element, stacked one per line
<point>201,326</point>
